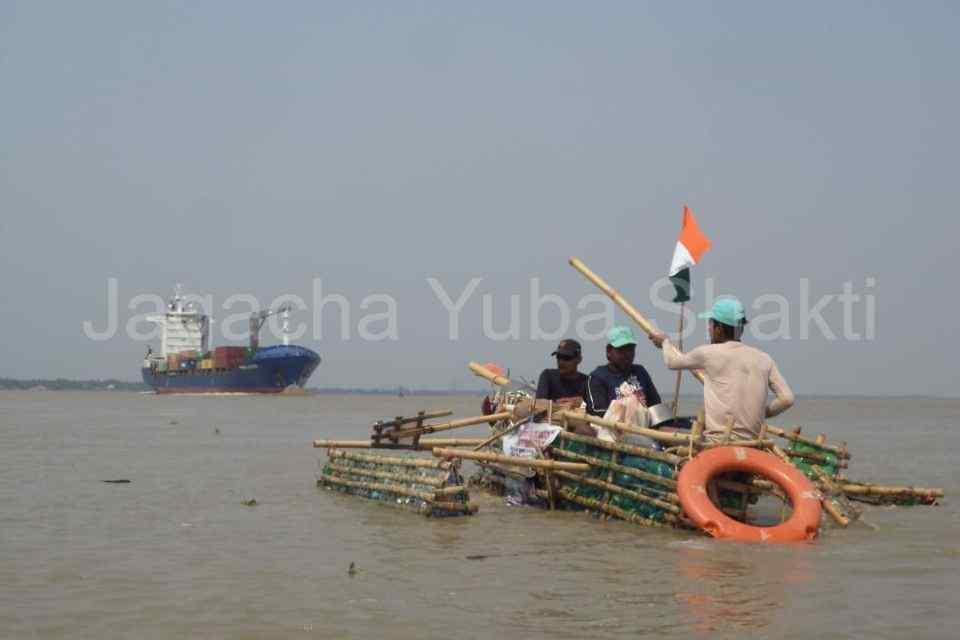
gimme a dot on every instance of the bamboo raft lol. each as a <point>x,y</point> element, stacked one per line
<point>632,478</point>
<point>618,479</point>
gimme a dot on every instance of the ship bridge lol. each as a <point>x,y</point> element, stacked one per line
<point>182,327</point>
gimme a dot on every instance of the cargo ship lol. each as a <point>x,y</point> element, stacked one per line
<point>186,363</point>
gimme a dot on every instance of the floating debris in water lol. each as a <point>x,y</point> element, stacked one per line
<point>174,422</point>
<point>216,430</point>
<point>252,502</point>
<point>352,570</point>
<point>121,481</point>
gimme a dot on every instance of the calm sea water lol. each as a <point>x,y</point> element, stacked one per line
<point>175,553</point>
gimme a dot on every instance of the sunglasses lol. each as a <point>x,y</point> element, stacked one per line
<point>565,358</point>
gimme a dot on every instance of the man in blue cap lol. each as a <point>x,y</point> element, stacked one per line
<point>603,386</point>
<point>736,376</point>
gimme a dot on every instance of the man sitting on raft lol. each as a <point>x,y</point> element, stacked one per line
<point>565,385</point>
<point>620,390</point>
<point>736,376</point>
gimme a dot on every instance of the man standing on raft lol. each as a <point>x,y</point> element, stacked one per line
<point>736,376</point>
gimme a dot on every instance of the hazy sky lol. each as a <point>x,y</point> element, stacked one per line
<point>255,147</point>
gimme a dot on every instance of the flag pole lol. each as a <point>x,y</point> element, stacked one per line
<point>676,389</point>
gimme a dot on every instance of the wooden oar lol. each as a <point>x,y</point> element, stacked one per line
<point>623,303</point>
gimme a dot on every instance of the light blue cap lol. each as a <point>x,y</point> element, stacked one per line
<point>620,336</point>
<point>726,310</point>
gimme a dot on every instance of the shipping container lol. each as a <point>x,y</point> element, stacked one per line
<point>229,349</point>
<point>228,357</point>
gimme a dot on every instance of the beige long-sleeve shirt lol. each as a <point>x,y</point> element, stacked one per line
<point>736,380</point>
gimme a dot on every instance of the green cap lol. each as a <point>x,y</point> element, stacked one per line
<point>726,310</point>
<point>620,336</point>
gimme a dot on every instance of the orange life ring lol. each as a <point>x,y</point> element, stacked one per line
<point>692,487</point>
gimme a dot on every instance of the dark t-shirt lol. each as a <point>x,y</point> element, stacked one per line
<point>604,382</point>
<point>553,386</point>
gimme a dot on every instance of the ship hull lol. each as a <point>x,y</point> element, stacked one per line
<point>271,370</point>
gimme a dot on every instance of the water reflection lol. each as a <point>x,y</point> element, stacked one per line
<point>729,586</point>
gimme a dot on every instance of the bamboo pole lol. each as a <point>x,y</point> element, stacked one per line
<point>614,295</point>
<point>834,502</point>
<point>864,489</point>
<point>483,372</point>
<point>500,434</point>
<point>676,388</point>
<point>511,460</point>
<point>551,493</point>
<point>653,434</point>
<point>619,468</point>
<point>427,444</point>
<point>616,512</point>
<point>796,437</point>
<point>446,426</point>
<point>815,457</point>
<point>424,445</point>
<point>623,448</point>
<point>614,458</point>
<point>615,488</point>
<point>834,512</point>
<point>756,444</point>
<point>622,302</point>
<point>347,444</point>
<point>426,496</point>
<point>780,453</point>
<point>685,451</point>
<point>378,459</point>
<point>548,480</point>
<point>435,481</point>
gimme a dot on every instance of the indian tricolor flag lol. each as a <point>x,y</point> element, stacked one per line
<point>691,245</point>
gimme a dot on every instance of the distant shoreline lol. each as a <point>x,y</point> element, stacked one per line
<point>64,384</point>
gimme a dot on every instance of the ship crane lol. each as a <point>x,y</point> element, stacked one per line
<point>257,320</point>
